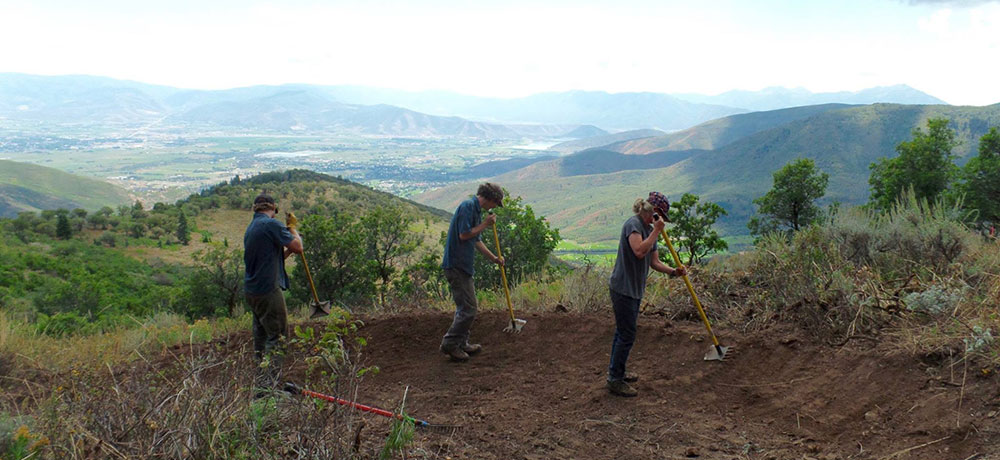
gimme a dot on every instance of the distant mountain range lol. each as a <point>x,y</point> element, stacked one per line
<point>300,108</point>
<point>28,187</point>
<point>620,111</point>
<point>779,98</point>
<point>729,161</point>
<point>87,100</point>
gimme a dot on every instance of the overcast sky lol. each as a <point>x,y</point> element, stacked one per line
<point>949,49</point>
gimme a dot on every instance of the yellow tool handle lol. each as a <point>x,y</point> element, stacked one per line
<point>503,273</point>
<point>309,275</point>
<point>701,311</point>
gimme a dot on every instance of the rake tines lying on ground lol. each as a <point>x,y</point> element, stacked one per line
<point>295,389</point>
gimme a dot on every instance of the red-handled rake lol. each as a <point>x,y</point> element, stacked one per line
<point>297,390</point>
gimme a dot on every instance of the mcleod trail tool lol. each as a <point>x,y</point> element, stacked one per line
<point>319,309</point>
<point>515,324</point>
<point>717,352</point>
<point>297,390</point>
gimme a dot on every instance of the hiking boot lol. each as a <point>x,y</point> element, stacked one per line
<point>620,388</point>
<point>455,353</point>
<point>472,348</point>
<point>631,377</point>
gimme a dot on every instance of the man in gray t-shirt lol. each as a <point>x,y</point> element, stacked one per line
<point>636,255</point>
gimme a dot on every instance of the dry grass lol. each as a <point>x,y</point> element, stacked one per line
<point>136,397</point>
<point>147,337</point>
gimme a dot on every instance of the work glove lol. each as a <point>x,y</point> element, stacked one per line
<point>290,221</point>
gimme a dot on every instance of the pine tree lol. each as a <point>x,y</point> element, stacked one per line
<point>63,230</point>
<point>183,232</point>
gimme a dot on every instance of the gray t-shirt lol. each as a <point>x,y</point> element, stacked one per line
<point>628,278</point>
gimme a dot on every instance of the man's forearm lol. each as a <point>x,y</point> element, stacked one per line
<point>485,251</point>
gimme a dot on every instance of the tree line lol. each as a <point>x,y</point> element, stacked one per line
<point>924,165</point>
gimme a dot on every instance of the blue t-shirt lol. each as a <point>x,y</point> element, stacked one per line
<point>457,253</point>
<point>263,255</point>
<point>628,278</point>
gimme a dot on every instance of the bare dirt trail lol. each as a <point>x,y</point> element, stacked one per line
<point>541,394</point>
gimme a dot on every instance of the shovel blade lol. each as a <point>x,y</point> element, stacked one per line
<point>320,310</point>
<point>515,326</point>
<point>716,353</point>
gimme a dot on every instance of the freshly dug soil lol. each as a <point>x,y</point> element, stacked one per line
<point>541,394</point>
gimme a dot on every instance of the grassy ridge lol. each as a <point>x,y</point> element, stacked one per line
<point>28,187</point>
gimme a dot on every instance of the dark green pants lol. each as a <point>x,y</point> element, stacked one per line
<point>270,328</point>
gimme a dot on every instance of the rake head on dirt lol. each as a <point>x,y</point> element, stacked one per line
<point>716,353</point>
<point>515,326</point>
<point>319,309</point>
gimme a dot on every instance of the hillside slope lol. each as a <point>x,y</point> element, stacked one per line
<point>717,133</point>
<point>844,142</point>
<point>29,187</point>
<point>598,141</point>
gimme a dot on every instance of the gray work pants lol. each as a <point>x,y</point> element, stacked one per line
<point>463,290</point>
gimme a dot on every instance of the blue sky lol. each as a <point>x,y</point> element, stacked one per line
<point>513,48</point>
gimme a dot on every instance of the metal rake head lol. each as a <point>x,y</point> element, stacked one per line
<point>448,429</point>
<point>515,326</point>
<point>319,310</point>
<point>717,353</point>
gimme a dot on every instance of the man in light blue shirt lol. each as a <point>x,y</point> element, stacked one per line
<point>463,236</point>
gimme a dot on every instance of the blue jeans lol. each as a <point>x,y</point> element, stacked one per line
<point>626,316</point>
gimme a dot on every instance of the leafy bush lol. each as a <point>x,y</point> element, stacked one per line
<point>526,241</point>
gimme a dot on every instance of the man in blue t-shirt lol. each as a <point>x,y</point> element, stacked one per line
<point>266,243</point>
<point>463,236</point>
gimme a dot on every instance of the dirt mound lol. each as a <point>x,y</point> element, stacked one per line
<point>541,394</point>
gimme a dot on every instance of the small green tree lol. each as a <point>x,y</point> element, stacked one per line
<point>525,241</point>
<point>791,203</point>
<point>924,163</point>
<point>24,225</point>
<point>980,179</point>
<point>138,211</point>
<point>388,241</point>
<point>335,248</point>
<point>183,232</point>
<point>692,223</point>
<point>137,230</point>
<point>97,220</point>
<point>216,283</point>
<point>63,230</point>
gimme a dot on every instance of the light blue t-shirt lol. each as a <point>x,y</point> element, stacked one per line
<point>457,253</point>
